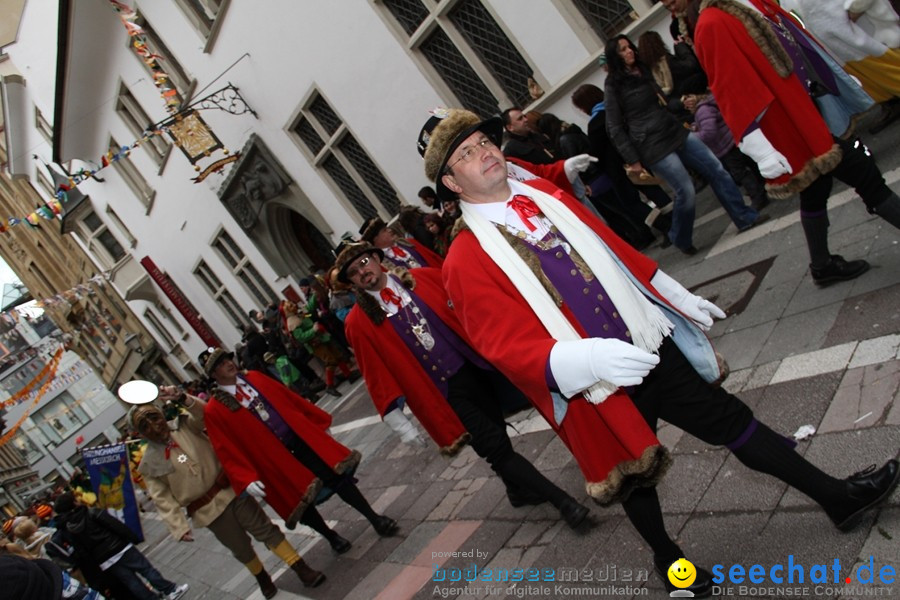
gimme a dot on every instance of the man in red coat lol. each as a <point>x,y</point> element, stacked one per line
<point>604,343</point>
<point>274,444</point>
<point>752,51</point>
<point>410,345</point>
<point>400,252</point>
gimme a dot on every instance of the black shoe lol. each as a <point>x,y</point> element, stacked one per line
<point>339,544</point>
<point>838,269</point>
<point>759,221</point>
<point>332,391</point>
<point>690,250</point>
<point>266,586</point>
<point>518,498</point>
<point>865,490</point>
<point>309,576</point>
<point>573,513</point>
<point>701,588</point>
<point>385,526</point>
<point>353,377</point>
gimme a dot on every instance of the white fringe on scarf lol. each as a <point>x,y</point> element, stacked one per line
<point>645,321</point>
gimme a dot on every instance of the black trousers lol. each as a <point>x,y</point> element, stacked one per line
<point>312,461</point>
<point>857,170</point>
<point>472,397</point>
<point>675,393</point>
<point>745,173</point>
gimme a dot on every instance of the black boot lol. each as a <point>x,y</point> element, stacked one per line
<point>266,586</point>
<point>837,269</point>
<point>339,544</point>
<point>864,490</point>
<point>309,576</point>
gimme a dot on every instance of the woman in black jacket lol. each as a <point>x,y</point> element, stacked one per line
<point>645,133</point>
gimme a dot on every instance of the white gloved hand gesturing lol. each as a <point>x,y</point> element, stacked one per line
<point>699,310</point>
<point>577,164</point>
<point>578,364</point>
<point>771,162</point>
<point>257,489</point>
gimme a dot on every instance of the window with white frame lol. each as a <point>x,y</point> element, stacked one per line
<point>132,241</point>
<point>609,17</point>
<point>159,328</point>
<point>132,176</point>
<point>138,122</point>
<point>221,295</point>
<point>177,75</point>
<point>44,182</point>
<point>335,150</point>
<point>42,125</point>
<point>243,269</point>
<point>467,49</point>
<point>204,15</point>
<point>100,240</point>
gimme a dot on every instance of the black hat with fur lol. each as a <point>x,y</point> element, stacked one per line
<point>350,253</point>
<point>443,133</point>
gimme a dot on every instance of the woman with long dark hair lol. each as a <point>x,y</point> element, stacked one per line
<point>646,134</point>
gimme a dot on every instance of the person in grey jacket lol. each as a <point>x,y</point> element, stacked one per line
<point>649,137</point>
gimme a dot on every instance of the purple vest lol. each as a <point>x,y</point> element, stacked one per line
<point>803,55</point>
<point>275,423</point>
<point>449,353</point>
<point>413,254</point>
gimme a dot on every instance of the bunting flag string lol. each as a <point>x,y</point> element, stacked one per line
<point>25,392</point>
<point>51,372</point>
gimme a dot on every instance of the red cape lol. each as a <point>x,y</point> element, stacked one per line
<point>610,441</point>
<point>746,85</point>
<point>390,369</point>
<point>250,452</point>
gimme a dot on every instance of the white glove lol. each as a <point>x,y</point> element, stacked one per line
<point>402,426</point>
<point>699,310</point>
<point>770,161</point>
<point>577,164</point>
<point>578,364</point>
<point>257,489</point>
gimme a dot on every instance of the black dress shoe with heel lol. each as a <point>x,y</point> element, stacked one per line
<point>573,512</point>
<point>838,269</point>
<point>865,490</point>
<point>385,526</point>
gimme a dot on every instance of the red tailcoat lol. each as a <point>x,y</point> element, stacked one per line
<point>746,84</point>
<point>611,441</point>
<point>390,369</point>
<point>249,451</point>
<point>554,173</point>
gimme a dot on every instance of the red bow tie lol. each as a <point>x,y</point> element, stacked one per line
<point>525,208</point>
<point>390,297</point>
<point>169,445</point>
<point>400,252</point>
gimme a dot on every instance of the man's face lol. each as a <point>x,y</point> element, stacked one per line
<point>365,273</point>
<point>153,426</point>
<point>481,174</point>
<point>675,6</point>
<point>385,238</point>
<point>518,124</point>
<point>225,372</point>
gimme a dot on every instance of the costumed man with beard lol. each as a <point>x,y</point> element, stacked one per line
<point>183,473</point>
<point>762,78</point>
<point>274,444</point>
<point>399,252</point>
<point>603,342</point>
<point>410,345</point>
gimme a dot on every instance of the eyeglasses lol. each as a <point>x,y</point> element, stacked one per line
<point>354,270</point>
<point>469,152</point>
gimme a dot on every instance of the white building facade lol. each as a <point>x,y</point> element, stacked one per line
<point>340,91</point>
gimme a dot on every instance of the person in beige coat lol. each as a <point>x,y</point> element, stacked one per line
<point>185,480</point>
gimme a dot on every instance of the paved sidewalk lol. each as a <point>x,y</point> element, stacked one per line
<point>799,356</point>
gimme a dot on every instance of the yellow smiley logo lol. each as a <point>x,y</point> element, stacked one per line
<point>682,573</point>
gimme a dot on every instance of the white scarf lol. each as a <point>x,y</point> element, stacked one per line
<point>646,322</point>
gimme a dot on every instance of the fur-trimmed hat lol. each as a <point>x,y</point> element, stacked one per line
<point>137,412</point>
<point>214,358</point>
<point>441,136</point>
<point>350,253</point>
<point>371,228</point>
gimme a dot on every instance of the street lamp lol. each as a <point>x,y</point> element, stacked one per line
<point>133,342</point>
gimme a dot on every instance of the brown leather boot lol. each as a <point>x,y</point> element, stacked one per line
<point>309,576</point>
<point>266,586</point>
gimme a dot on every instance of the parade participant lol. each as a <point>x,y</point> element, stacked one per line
<point>764,96</point>
<point>410,345</point>
<point>274,444</point>
<point>183,475</point>
<point>604,343</point>
<point>400,252</point>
